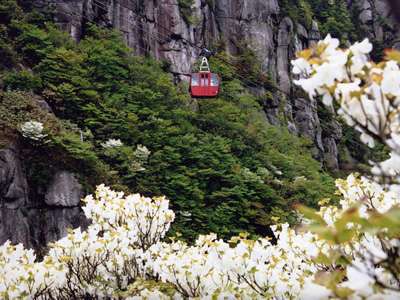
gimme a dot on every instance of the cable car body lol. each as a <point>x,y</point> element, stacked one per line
<point>204,84</point>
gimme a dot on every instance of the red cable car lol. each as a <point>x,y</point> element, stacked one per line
<point>204,83</point>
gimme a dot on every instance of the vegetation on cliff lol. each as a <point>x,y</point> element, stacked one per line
<point>225,169</point>
<point>332,17</point>
<point>93,108</point>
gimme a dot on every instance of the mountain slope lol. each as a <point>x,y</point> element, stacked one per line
<point>223,166</point>
<point>176,30</point>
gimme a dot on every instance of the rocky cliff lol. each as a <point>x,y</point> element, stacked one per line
<point>377,22</point>
<point>169,30</point>
<point>35,222</point>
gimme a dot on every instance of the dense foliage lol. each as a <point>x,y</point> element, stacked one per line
<point>225,168</point>
<point>351,253</point>
<point>345,251</point>
<point>332,17</point>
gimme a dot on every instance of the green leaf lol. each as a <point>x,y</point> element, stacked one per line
<point>351,215</point>
<point>311,214</point>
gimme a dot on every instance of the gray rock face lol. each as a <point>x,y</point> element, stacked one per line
<point>330,144</point>
<point>31,221</point>
<point>285,35</point>
<point>14,226</point>
<point>57,222</point>
<point>365,11</point>
<point>36,227</point>
<point>64,190</point>
<point>314,35</point>
<point>331,154</point>
<point>307,122</point>
<point>13,185</point>
<point>159,28</point>
<point>377,21</point>
<point>44,105</point>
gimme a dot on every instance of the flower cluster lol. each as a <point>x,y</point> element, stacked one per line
<point>14,276</point>
<point>124,245</point>
<point>358,235</point>
<point>349,251</point>
<point>368,94</point>
<point>112,143</point>
<point>361,240</point>
<point>104,259</point>
<point>243,268</point>
<point>141,155</point>
<point>145,220</point>
<point>33,130</point>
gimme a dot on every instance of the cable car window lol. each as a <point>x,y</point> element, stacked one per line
<point>195,80</point>
<point>214,80</point>
<point>204,79</point>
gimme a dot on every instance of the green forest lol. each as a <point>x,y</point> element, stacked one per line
<point>251,150</point>
<point>225,169</point>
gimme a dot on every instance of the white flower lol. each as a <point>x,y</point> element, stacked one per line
<point>312,291</point>
<point>367,139</point>
<point>112,143</point>
<point>359,281</point>
<point>331,44</point>
<point>327,73</point>
<point>359,58</point>
<point>344,90</point>
<point>308,85</point>
<point>301,66</point>
<point>141,156</point>
<point>142,153</point>
<point>33,130</point>
<point>391,80</point>
<point>365,47</point>
<point>389,167</point>
<point>327,99</point>
<point>359,65</point>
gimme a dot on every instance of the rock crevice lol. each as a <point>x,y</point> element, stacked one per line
<point>36,222</point>
<point>161,28</point>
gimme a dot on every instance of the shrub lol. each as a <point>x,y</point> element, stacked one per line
<point>207,160</point>
<point>185,7</point>
<point>22,81</point>
<point>33,130</point>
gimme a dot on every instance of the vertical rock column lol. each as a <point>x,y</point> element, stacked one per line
<point>36,222</point>
<point>14,224</point>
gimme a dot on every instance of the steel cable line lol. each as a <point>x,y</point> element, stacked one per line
<point>192,44</point>
<point>245,81</point>
<point>162,40</point>
<point>201,48</point>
